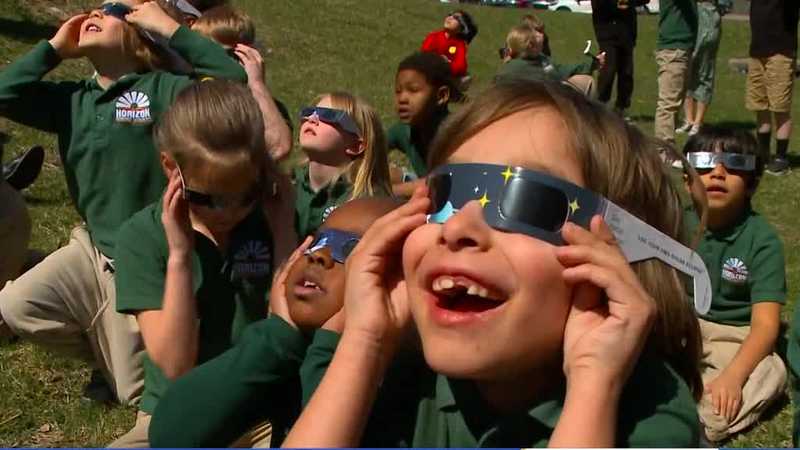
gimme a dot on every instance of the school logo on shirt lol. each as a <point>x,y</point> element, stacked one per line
<point>452,50</point>
<point>253,259</point>
<point>735,271</point>
<point>133,107</point>
<point>328,212</point>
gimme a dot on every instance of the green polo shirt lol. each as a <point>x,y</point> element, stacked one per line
<point>793,359</point>
<point>105,136</point>
<point>312,208</point>
<point>218,401</point>
<point>746,264</point>
<point>677,24</point>
<point>417,408</point>
<point>403,137</point>
<point>540,68</point>
<point>231,289</point>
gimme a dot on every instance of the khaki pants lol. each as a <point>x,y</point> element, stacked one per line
<point>766,383</point>
<point>673,67</point>
<point>584,84</point>
<point>258,437</point>
<point>67,303</point>
<point>15,233</point>
<point>770,82</point>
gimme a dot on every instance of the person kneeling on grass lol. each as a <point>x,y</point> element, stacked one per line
<point>741,372</point>
<point>523,60</point>
<point>195,267</point>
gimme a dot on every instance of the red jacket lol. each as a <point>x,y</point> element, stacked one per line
<point>452,48</point>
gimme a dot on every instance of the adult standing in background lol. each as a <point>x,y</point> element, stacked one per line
<point>615,28</point>
<point>770,75</point>
<point>677,32</point>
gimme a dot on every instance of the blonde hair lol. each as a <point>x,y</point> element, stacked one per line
<point>369,171</point>
<point>519,40</point>
<point>148,55</point>
<point>213,129</point>
<point>620,163</point>
<point>226,25</point>
<point>533,21</point>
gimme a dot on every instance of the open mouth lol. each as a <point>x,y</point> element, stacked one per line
<point>461,294</point>
<point>717,189</point>
<point>93,28</point>
<point>308,286</point>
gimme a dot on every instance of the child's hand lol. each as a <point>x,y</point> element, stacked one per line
<point>375,303</point>
<point>175,217</point>
<point>150,17</point>
<point>278,304</point>
<point>601,61</point>
<point>604,334</point>
<point>252,62</point>
<point>65,42</point>
<point>726,395</point>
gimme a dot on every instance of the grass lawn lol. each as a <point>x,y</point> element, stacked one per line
<point>317,46</point>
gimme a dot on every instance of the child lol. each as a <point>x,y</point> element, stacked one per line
<point>535,22</point>
<point>452,40</point>
<point>235,32</point>
<point>15,232</point>
<point>258,379</point>
<point>195,268</point>
<point>104,125</point>
<point>741,372</point>
<point>343,138</point>
<point>522,354</point>
<point>523,60</point>
<point>423,88</point>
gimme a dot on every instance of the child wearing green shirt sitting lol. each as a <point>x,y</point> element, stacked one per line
<point>524,60</point>
<point>741,372</point>
<point>225,399</point>
<point>195,268</point>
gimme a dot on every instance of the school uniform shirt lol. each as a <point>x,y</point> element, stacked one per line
<point>793,360</point>
<point>451,47</point>
<point>312,208</point>
<point>677,25</point>
<point>773,28</point>
<point>403,137</point>
<point>105,135</point>
<point>540,68</point>
<point>231,288</point>
<point>217,402</point>
<point>416,407</point>
<point>746,264</point>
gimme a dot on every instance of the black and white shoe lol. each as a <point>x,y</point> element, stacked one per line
<point>778,166</point>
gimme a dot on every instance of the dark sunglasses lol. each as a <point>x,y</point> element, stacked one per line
<point>219,201</point>
<point>331,116</point>
<point>341,243</point>
<point>115,9</point>
<point>518,200</point>
<point>706,161</point>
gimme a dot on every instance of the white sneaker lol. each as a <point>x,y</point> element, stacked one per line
<point>685,128</point>
<point>694,130</point>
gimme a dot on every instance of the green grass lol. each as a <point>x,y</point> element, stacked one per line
<point>318,46</point>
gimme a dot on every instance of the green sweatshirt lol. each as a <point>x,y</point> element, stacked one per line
<point>105,135</point>
<point>677,25</point>
<point>540,68</point>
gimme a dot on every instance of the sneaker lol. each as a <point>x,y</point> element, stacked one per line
<point>778,166</point>
<point>21,172</point>
<point>98,390</point>
<point>685,128</point>
<point>694,130</point>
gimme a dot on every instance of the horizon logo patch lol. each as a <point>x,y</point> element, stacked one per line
<point>133,107</point>
<point>253,259</point>
<point>735,271</point>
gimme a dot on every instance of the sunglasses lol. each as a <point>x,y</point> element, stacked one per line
<point>219,201</point>
<point>331,116</point>
<point>518,200</point>
<point>703,161</point>
<point>341,243</point>
<point>114,9</point>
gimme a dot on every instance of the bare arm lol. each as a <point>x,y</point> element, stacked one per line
<point>764,328</point>
<point>276,132</point>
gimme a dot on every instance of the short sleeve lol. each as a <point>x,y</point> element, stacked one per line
<point>140,264</point>
<point>768,277</point>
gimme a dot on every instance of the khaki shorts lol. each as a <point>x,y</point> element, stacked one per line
<point>769,84</point>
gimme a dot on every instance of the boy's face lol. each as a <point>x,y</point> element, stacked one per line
<point>414,97</point>
<point>103,30</point>
<point>452,24</point>
<point>726,189</point>
<point>315,284</point>
<point>491,305</point>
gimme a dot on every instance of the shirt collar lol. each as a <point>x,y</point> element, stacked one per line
<point>336,189</point>
<point>732,232</point>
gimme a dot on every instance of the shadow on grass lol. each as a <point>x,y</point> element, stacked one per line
<point>643,117</point>
<point>25,30</point>
<point>736,124</point>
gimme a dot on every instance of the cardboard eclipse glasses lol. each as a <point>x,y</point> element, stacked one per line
<point>732,161</point>
<point>331,116</point>
<point>341,243</point>
<point>523,201</point>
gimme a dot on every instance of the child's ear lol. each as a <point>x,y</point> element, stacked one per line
<point>357,149</point>
<point>686,183</point>
<point>443,95</point>
<point>168,164</point>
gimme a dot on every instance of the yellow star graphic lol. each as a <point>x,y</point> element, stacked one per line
<point>574,206</point>
<point>484,200</point>
<point>507,174</point>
